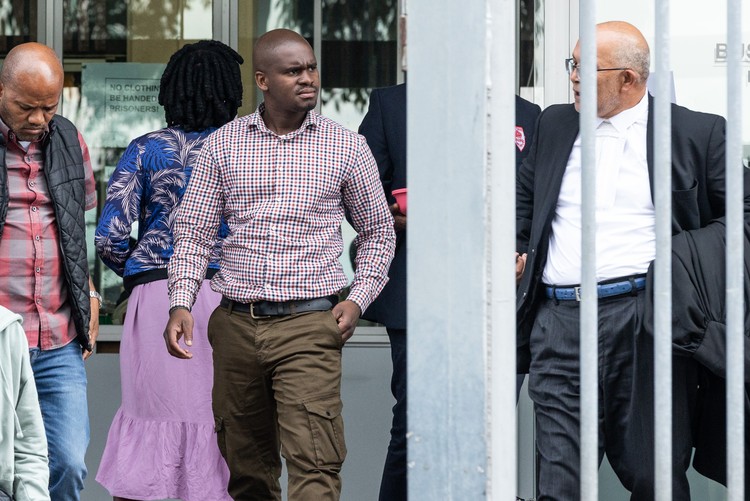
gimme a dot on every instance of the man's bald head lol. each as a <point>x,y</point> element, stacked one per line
<point>268,43</point>
<point>624,46</point>
<point>31,82</point>
<point>33,61</point>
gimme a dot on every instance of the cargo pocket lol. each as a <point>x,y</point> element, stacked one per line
<point>327,429</point>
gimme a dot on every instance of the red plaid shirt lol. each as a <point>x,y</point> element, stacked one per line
<point>284,199</point>
<point>33,278</point>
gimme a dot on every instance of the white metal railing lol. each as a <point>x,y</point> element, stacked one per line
<point>734,258</point>
<point>663,269</point>
<point>589,424</point>
<point>663,266</point>
<point>443,434</point>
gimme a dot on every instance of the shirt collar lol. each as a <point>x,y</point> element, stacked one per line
<point>623,120</point>
<point>256,120</point>
<point>9,136</point>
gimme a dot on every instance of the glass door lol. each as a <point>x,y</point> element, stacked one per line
<point>114,52</point>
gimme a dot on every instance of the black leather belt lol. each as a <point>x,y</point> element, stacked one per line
<point>609,288</point>
<point>266,309</point>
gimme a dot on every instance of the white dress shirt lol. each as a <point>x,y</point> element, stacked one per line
<point>625,232</point>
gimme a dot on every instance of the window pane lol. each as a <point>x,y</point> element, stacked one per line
<point>18,19</point>
<point>114,52</point>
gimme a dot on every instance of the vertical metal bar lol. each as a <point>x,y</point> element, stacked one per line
<point>663,265</point>
<point>221,21</point>
<point>50,29</point>
<point>446,438</point>
<point>516,44</point>
<point>400,39</point>
<point>49,24</point>
<point>41,22</point>
<point>233,21</point>
<point>589,312</point>
<point>557,47</point>
<point>44,26</point>
<point>735,267</point>
<point>501,196</point>
<point>318,43</point>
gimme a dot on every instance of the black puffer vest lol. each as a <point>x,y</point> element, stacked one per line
<point>65,175</point>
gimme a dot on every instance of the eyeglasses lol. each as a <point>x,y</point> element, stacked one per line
<point>571,65</point>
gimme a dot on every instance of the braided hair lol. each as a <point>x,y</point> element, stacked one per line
<point>201,86</point>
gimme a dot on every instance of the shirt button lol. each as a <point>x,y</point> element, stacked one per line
<point>32,183</point>
<point>38,301</point>
<point>33,209</point>
<point>36,238</point>
<point>38,269</point>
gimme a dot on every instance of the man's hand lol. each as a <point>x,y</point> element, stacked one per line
<point>399,219</point>
<point>93,327</point>
<point>346,314</point>
<point>180,324</point>
<point>520,266</point>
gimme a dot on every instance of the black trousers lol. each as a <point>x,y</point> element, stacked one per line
<point>393,484</point>
<point>626,397</point>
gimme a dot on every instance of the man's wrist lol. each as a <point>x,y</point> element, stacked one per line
<point>356,301</point>
<point>178,307</point>
<point>95,295</point>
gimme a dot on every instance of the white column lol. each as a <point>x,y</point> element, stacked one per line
<point>501,196</point>
<point>450,250</point>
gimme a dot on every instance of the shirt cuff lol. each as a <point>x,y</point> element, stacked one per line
<point>360,298</point>
<point>180,298</point>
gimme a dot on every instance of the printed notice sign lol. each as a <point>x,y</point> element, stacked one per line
<point>121,101</point>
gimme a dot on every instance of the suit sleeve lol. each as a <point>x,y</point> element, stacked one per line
<point>373,130</point>
<point>525,195</point>
<point>716,172</point>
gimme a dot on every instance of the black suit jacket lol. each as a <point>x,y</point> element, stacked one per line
<point>698,144</point>
<point>384,126</point>
<point>699,332</point>
<point>527,114</point>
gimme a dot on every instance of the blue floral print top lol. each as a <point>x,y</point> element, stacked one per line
<point>147,187</point>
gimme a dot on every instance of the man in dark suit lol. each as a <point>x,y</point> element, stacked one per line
<point>549,229</point>
<point>384,126</point>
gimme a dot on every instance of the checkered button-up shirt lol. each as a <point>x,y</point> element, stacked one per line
<point>284,199</point>
<point>31,269</point>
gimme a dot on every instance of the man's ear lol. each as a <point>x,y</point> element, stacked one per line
<point>260,80</point>
<point>630,78</point>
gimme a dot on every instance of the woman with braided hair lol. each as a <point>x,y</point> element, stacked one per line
<point>162,443</point>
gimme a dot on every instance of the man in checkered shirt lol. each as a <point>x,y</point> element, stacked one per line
<point>283,178</point>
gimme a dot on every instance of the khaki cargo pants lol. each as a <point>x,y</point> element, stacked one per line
<point>277,387</point>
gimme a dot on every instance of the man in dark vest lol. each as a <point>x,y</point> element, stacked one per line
<point>46,185</point>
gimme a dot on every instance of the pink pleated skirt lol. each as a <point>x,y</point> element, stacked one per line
<point>162,443</point>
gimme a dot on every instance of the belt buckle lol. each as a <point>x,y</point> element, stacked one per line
<point>578,293</point>
<point>254,316</point>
